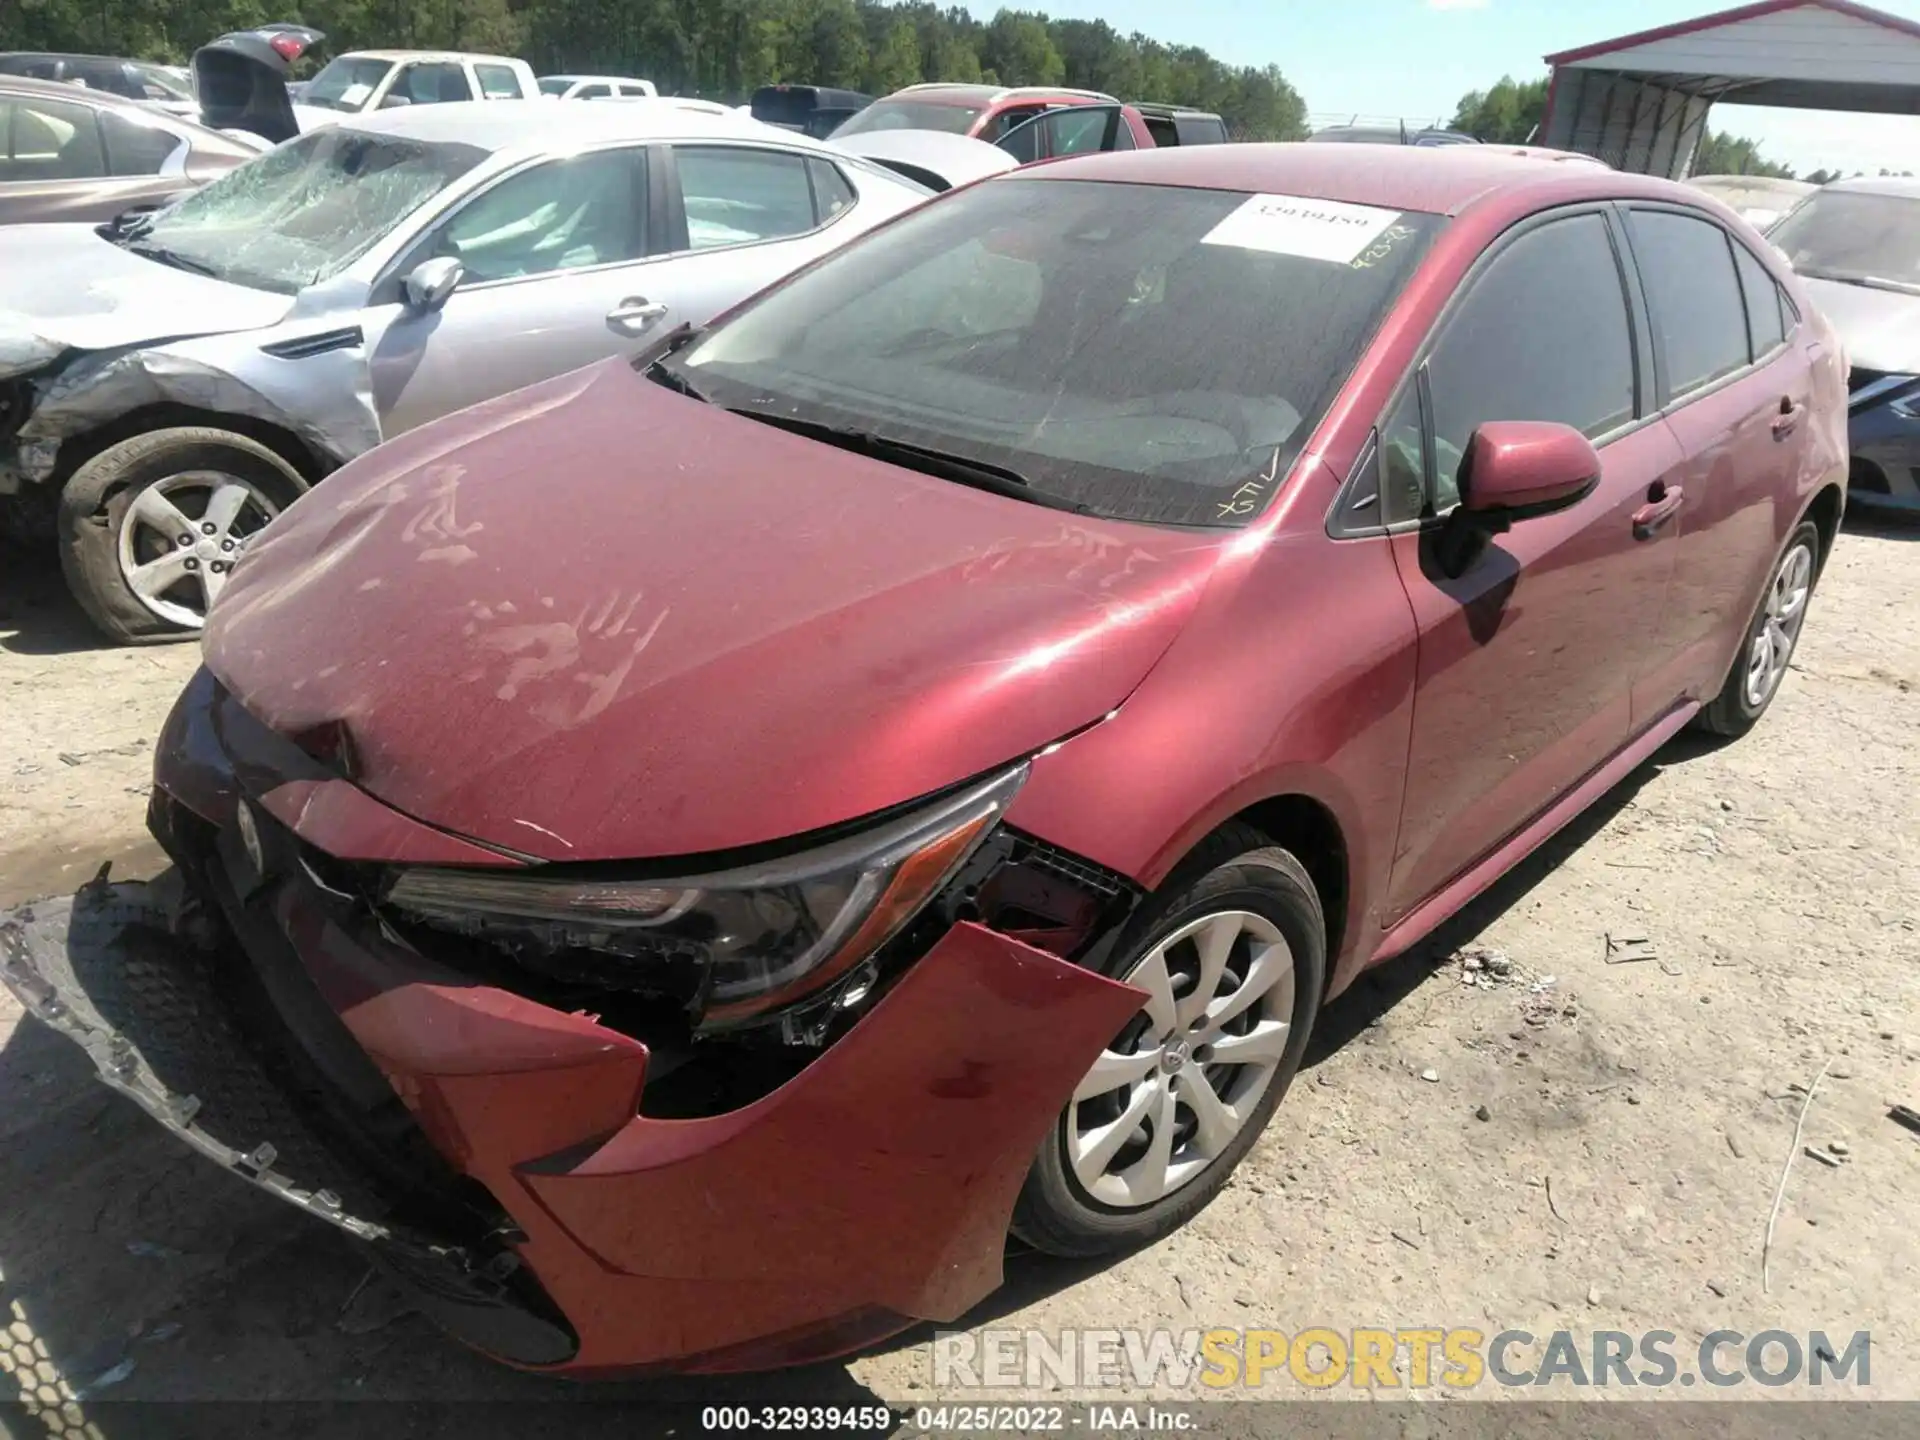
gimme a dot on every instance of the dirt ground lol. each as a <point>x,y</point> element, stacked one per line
<point>1577,1144</point>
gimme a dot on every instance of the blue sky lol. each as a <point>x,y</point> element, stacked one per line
<point>1415,58</point>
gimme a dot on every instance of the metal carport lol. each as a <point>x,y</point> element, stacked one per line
<point>1640,103</point>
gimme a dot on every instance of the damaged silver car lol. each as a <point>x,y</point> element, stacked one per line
<point>170,383</point>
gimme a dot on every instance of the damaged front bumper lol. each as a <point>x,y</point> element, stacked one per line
<point>572,1231</point>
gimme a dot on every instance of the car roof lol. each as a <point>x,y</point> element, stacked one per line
<point>67,90</point>
<point>1442,180</point>
<point>428,55</point>
<point>539,125</point>
<point>1903,185</point>
<point>577,79</point>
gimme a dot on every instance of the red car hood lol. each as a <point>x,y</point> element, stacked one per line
<point>594,619</point>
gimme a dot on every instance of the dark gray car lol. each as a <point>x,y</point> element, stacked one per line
<point>75,154</point>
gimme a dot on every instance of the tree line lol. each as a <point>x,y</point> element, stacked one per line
<point>722,49</point>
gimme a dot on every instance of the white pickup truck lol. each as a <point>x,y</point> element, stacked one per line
<point>365,80</point>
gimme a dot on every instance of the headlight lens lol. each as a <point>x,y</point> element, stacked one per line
<point>734,944</point>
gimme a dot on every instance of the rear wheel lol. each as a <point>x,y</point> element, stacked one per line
<point>150,528</point>
<point>1232,957</point>
<point>1772,635</point>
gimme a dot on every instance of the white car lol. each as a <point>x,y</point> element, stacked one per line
<point>171,384</point>
<point>597,87</point>
<point>364,80</point>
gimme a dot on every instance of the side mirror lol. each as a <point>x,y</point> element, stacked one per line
<point>1514,470</point>
<point>1517,469</point>
<point>393,99</point>
<point>431,282</point>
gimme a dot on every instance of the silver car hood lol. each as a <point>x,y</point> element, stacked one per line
<point>64,288</point>
<point>1880,328</point>
<point>956,159</point>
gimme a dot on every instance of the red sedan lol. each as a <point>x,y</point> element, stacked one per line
<point>702,848</point>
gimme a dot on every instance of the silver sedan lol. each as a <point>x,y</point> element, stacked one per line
<point>167,386</point>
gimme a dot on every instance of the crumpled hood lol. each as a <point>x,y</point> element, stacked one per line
<point>1880,328</point>
<point>594,619</point>
<point>64,288</point>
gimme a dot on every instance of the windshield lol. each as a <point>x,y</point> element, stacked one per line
<point>304,211</point>
<point>911,115</point>
<point>1145,352</point>
<point>1856,236</point>
<point>172,84</point>
<point>556,84</point>
<point>346,84</point>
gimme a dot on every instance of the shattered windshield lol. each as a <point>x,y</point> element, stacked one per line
<point>346,83</point>
<point>1854,236</point>
<point>303,212</point>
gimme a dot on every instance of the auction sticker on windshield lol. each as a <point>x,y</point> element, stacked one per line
<point>1293,225</point>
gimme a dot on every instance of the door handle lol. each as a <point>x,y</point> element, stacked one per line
<point>634,314</point>
<point>1648,519</point>
<point>1788,419</point>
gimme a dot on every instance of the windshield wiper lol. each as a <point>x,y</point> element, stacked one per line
<point>961,469</point>
<point>650,360</point>
<point>122,228</point>
<point>174,258</point>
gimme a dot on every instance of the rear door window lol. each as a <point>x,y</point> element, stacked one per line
<point>497,82</point>
<point>135,149</point>
<point>735,195</point>
<point>1699,317</point>
<point>1542,334</point>
<point>1764,328</point>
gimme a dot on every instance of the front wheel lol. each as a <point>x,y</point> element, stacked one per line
<point>1772,634</point>
<point>1232,957</point>
<point>150,528</point>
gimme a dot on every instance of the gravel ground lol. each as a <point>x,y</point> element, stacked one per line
<point>1576,1144</point>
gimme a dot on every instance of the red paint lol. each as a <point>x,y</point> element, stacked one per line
<point>758,636</point>
<point>1732,17</point>
<point>1517,464</point>
<point>880,1178</point>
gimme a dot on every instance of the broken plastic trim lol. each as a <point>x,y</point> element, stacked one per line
<point>121,1068</point>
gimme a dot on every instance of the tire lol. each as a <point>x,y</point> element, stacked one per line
<point>111,525</point>
<point>1236,878</point>
<point>1742,700</point>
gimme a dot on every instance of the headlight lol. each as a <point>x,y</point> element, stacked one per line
<point>733,944</point>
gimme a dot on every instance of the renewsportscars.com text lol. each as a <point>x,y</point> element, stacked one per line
<point>1403,1357</point>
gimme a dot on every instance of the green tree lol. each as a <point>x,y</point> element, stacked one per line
<point>1508,114</point>
<point>1021,51</point>
<point>1722,154</point>
<point>895,62</point>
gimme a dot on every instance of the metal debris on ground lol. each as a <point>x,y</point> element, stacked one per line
<point>1814,1152</point>
<point>1627,949</point>
<point>1904,1115</point>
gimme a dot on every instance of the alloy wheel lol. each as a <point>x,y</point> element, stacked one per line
<point>181,537</point>
<point>1779,628</point>
<point>1167,1098</point>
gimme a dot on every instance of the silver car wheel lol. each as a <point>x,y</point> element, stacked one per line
<point>181,537</point>
<point>1181,1081</point>
<point>1779,628</point>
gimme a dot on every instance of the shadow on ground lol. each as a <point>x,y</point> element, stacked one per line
<point>136,1273</point>
<point>37,615</point>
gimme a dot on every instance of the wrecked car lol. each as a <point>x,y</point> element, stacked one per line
<point>1856,244</point>
<point>684,857</point>
<point>169,385</point>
